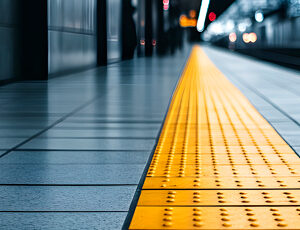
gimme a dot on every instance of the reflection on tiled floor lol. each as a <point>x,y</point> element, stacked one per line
<point>73,150</point>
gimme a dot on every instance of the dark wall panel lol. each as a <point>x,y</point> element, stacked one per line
<point>72,35</point>
<point>113,30</point>
<point>9,39</point>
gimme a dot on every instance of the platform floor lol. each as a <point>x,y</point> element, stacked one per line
<point>73,150</point>
<point>218,163</point>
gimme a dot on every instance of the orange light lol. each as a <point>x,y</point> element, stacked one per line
<point>192,13</point>
<point>184,21</point>
<point>142,42</point>
<point>232,37</point>
<point>253,37</point>
<point>246,38</point>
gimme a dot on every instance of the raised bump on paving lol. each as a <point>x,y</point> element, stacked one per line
<point>218,163</point>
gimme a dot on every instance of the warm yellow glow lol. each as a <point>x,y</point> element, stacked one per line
<point>246,38</point>
<point>253,37</point>
<point>184,21</point>
<point>232,37</point>
<point>249,37</point>
<point>192,13</point>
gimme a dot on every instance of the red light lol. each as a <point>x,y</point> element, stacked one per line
<point>212,16</point>
<point>166,4</point>
<point>154,42</point>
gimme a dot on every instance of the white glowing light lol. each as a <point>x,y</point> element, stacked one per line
<point>242,27</point>
<point>259,16</point>
<point>216,28</point>
<point>229,25</point>
<point>202,15</point>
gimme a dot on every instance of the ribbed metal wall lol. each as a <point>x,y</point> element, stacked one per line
<point>8,39</point>
<point>72,35</point>
<point>113,30</point>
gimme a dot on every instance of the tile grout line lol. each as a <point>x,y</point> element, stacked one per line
<point>51,126</point>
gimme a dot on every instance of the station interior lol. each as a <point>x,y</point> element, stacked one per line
<point>149,114</point>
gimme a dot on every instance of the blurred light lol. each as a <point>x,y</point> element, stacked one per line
<point>216,28</point>
<point>212,16</point>
<point>251,37</point>
<point>248,22</point>
<point>166,4</point>
<point>154,42</point>
<point>259,17</point>
<point>202,15</point>
<point>192,13</point>
<point>229,25</point>
<point>242,27</point>
<point>232,37</point>
<point>246,38</point>
<point>206,37</point>
<point>142,42</point>
<point>184,21</point>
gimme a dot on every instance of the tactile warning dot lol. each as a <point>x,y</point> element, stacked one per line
<point>267,170</point>
<point>215,218</point>
<point>221,182</point>
<point>219,197</point>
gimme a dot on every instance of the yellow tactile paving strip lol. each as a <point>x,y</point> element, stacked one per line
<point>218,163</point>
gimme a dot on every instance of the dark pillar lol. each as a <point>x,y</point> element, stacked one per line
<point>34,44</point>
<point>148,28</point>
<point>161,44</point>
<point>101,33</point>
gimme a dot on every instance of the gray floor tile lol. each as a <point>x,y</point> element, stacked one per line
<point>71,174</point>
<point>7,143</point>
<point>77,125</point>
<point>297,149</point>
<point>89,144</point>
<point>62,221</point>
<point>75,157</point>
<point>293,140</point>
<point>18,133</point>
<point>272,90</point>
<point>286,128</point>
<point>66,198</point>
<point>98,133</point>
<point>273,115</point>
<point>116,119</point>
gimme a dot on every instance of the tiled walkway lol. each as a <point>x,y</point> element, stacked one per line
<point>273,90</point>
<point>73,150</point>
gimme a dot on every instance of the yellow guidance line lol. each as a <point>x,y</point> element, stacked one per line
<point>218,163</point>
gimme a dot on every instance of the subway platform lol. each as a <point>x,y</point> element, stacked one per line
<point>204,139</point>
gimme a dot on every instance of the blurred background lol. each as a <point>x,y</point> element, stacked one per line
<point>41,39</point>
